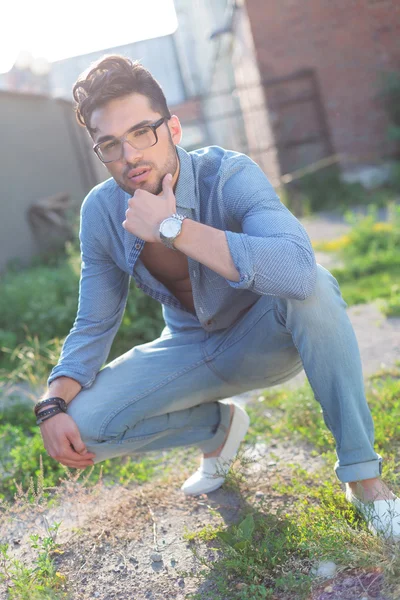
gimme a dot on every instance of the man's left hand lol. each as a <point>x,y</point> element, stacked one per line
<point>146,211</point>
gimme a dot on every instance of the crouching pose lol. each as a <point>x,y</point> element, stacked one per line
<point>245,305</point>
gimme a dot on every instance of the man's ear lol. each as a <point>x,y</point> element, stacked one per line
<point>175,129</point>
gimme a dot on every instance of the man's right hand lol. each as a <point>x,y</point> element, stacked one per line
<point>63,442</point>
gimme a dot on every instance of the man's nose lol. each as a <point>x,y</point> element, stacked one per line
<point>131,154</point>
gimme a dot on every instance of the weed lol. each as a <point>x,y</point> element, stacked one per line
<point>23,456</point>
<point>41,581</point>
<point>371,261</point>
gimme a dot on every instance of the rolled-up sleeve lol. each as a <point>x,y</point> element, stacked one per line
<point>103,292</point>
<point>272,253</point>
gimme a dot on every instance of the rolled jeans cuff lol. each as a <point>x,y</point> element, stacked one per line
<point>221,431</point>
<point>359,471</point>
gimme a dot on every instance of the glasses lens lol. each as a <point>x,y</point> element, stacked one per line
<point>109,151</point>
<point>141,138</point>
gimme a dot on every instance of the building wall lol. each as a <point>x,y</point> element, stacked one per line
<point>219,67</point>
<point>348,43</point>
<point>46,154</point>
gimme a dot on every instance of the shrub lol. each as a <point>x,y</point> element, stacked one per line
<point>38,307</point>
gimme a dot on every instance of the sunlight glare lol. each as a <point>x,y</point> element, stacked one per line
<point>54,31</point>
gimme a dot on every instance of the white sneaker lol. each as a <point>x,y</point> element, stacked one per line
<point>382,516</point>
<point>212,472</point>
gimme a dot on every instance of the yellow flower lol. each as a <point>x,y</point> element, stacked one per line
<point>382,227</point>
<point>334,245</point>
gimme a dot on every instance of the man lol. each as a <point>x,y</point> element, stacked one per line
<point>244,303</point>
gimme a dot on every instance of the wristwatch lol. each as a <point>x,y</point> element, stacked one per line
<point>170,228</point>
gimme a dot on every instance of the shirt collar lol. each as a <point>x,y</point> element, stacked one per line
<point>185,191</point>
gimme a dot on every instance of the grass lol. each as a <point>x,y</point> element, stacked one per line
<point>271,551</point>
<point>370,257</point>
<point>22,451</point>
<point>325,190</point>
<point>41,581</point>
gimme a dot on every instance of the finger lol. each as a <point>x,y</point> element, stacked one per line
<point>70,451</point>
<point>167,185</point>
<point>71,456</point>
<point>75,440</point>
<point>84,454</point>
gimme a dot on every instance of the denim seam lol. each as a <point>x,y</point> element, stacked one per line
<point>177,374</point>
<point>151,435</point>
<point>208,358</point>
<point>225,345</point>
<point>338,443</point>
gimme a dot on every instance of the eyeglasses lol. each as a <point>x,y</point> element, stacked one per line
<point>140,139</point>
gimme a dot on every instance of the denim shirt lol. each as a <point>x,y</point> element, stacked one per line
<point>226,190</point>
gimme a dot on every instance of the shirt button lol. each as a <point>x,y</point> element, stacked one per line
<point>137,246</point>
<point>209,322</point>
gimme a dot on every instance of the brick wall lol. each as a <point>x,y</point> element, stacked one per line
<point>348,43</point>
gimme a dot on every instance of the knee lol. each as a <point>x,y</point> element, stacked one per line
<point>324,303</point>
<point>326,286</point>
<point>84,418</point>
<point>326,289</point>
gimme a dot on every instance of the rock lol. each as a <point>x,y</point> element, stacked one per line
<point>241,586</point>
<point>259,494</point>
<point>119,568</point>
<point>96,594</point>
<point>349,582</point>
<point>156,557</point>
<point>325,568</point>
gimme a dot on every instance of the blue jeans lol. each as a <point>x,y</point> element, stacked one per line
<point>168,392</point>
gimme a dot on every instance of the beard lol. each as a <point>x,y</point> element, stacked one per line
<point>170,166</point>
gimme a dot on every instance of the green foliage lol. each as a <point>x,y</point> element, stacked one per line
<point>41,581</point>
<point>379,286</point>
<point>299,414</point>
<point>271,551</point>
<point>371,262</point>
<point>41,300</point>
<point>30,361</point>
<point>23,450</point>
<point>390,94</point>
<point>374,239</point>
<point>38,307</point>
<point>395,177</point>
<point>325,190</point>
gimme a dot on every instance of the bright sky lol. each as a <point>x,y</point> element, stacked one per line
<point>54,30</point>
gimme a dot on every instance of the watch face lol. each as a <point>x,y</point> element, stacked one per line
<point>171,228</point>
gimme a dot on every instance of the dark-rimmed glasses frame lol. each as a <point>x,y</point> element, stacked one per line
<point>123,139</point>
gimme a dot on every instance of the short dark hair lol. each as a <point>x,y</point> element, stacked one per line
<point>113,77</point>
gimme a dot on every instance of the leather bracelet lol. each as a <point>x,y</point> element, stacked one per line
<point>50,413</point>
<point>60,402</point>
